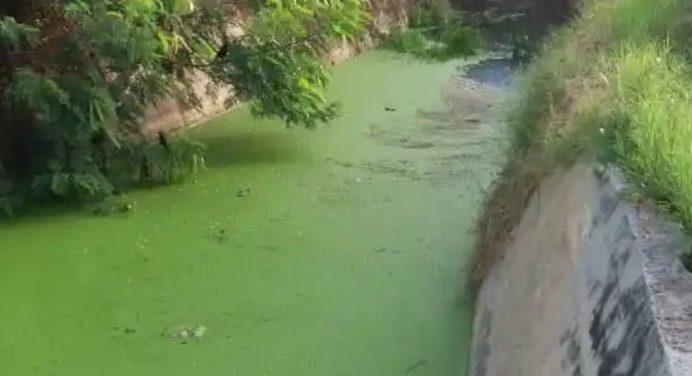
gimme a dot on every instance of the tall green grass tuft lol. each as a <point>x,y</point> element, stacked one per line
<point>432,33</point>
<point>654,134</point>
<point>456,40</point>
<point>149,163</point>
<point>644,20</point>
<point>404,40</point>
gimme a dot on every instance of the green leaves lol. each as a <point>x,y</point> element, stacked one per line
<point>75,9</point>
<point>433,34</point>
<point>322,21</point>
<point>84,72</point>
<point>73,186</point>
<point>182,6</point>
<point>39,93</point>
<point>14,35</point>
<point>278,66</point>
<point>280,84</point>
<point>142,48</point>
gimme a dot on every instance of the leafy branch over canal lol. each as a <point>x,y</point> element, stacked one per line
<point>76,77</point>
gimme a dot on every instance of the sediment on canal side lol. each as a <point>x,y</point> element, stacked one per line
<point>588,284</point>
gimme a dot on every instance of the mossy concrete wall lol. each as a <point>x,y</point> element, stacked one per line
<point>589,284</point>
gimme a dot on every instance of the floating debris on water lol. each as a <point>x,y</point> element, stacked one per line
<point>107,208</point>
<point>184,333</point>
<point>219,235</point>
<point>421,363</point>
<point>127,207</point>
<point>244,192</point>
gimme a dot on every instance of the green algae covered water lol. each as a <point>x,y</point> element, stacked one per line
<point>338,251</point>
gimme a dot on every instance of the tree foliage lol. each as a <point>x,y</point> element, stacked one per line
<point>277,64</point>
<point>77,75</point>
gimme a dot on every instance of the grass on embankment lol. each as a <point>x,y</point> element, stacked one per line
<point>615,83</point>
<point>433,33</point>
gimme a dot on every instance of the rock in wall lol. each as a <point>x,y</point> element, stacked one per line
<point>589,285</point>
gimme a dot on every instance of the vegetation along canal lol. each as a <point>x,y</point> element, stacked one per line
<point>338,251</point>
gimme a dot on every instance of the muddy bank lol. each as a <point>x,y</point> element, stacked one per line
<point>589,285</point>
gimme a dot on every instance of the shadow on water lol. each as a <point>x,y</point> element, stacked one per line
<point>250,148</point>
<point>496,72</point>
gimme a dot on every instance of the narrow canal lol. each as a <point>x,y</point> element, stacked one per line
<point>338,251</point>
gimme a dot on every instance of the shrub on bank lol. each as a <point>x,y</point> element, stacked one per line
<point>405,40</point>
<point>433,33</point>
